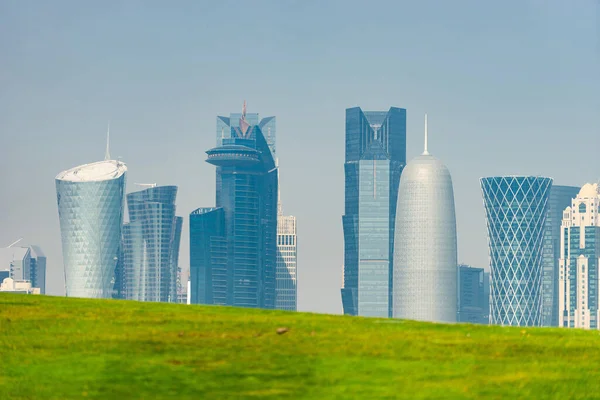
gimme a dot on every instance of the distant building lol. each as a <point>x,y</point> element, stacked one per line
<point>286,289</point>
<point>560,198</point>
<point>473,304</point>
<point>516,209</point>
<point>38,269</point>
<point>9,285</point>
<point>425,251</point>
<point>375,157</point>
<point>233,246</point>
<point>182,287</point>
<point>24,264</point>
<point>579,293</point>
<point>90,201</point>
<point>151,245</point>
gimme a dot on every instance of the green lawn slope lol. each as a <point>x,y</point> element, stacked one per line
<point>59,348</point>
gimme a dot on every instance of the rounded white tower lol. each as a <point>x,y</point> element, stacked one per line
<point>425,262</point>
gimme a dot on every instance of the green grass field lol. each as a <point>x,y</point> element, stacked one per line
<point>59,348</point>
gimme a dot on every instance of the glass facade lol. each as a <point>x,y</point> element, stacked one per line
<point>151,245</point>
<point>375,157</point>
<point>38,269</point>
<point>473,295</point>
<point>560,198</point>
<point>516,209</point>
<point>243,226</point>
<point>286,278</point>
<point>90,208</point>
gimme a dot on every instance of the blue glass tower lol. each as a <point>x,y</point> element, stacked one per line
<point>516,209</point>
<point>233,246</point>
<point>560,198</point>
<point>151,245</point>
<point>375,157</point>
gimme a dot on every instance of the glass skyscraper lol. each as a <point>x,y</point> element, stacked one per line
<point>516,209</point>
<point>560,198</point>
<point>90,201</point>
<point>375,157</point>
<point>233,247</point>
<point>473,295</point>
<point>579,263</point>
<point>151,245</point>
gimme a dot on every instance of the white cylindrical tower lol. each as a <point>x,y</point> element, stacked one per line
<point>425,261</point>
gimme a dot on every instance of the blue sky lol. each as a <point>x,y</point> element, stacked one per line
<point>509,87</point>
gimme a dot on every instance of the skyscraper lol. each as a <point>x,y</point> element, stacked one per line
<point>233,247</point>
<point>560,198</point>
<point>579,262</point>
<point>375,157</point>
<point>286,279</point>
<point>516,209</point>
<point>473,304</point>
<point>151,245</point>
<point>37,275</point>
<point>425,262</point>
<point>90,201</point>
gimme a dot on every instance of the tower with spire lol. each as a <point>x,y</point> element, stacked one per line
<point>425,259</point>
<point>233,246</point>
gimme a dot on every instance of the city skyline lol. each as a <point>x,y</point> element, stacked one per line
<point>495,94</point>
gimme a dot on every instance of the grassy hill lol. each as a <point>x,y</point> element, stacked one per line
<point>59,348</point>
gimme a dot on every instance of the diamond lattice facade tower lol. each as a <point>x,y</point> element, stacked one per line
<point>233,246</point>
<point>579,261</point>
<point>516,208</point>
<point>90,208</point>
<point>375,157</point>
<point>560,198</point>
<point>151,245</point>
<point>425,276</point>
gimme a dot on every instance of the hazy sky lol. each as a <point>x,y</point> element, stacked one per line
<point>510,87</point>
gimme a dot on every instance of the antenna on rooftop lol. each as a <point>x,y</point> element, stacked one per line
<point>425,152</point>
<point>12,244</point>
<point>107,154</point>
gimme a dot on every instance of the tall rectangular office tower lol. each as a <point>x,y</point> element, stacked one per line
<point>233,246</point>
<point>286,285</point>
<point>579,262</point>
<point>375,157</point>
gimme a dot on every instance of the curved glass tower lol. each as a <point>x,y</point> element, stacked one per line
<point>90,209</point>
<point>516,209</point>
<point>151,245</point>
<point>425,267</point>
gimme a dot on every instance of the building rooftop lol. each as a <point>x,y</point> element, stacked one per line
<point>10,254</point>
<point>94,172</point>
